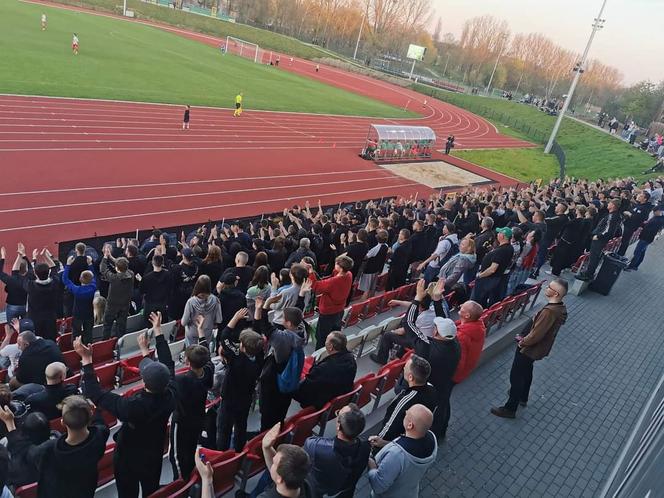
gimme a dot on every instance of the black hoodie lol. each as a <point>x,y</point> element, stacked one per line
<point>67,471</point>
<point>332,376</point>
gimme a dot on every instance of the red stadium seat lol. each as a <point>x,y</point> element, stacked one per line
<point>103,351</point>
<point>64,325</point>
<point>65,342</point>
<point>387,297</point>
<point>337,404</point>
<point>108,375</point>
<point>381,282</point>
<point>3,375</point>
<point>392,371</point>
<point>356,311</point>
<point>72,360</point>
<point>177,489</point>
<point>373,307</point>
<point>303,423</point>
<point>74,380</point>
<point>224,471</point>
<point>255,462</point>
<point>105,466</point>
<point>57,425</point>
<point>369,383</point>
<point>129,371</point>
<point>308,363</point>
<point>27,491</point>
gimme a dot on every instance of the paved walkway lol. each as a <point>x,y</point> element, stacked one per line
<point>584,401</point>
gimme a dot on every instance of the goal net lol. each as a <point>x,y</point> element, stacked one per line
<point>242,48</point>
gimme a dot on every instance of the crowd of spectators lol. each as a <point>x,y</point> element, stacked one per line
<point>241,292</point>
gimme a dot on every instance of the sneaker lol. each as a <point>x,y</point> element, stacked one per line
<point>375,359</point>
<point>500,411</point>
<point>629,268</point>
<point>583,276</point>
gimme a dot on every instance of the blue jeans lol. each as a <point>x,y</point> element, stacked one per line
<point>639,254</point>
<point>15,311</point>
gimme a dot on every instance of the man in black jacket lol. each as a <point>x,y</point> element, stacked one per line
<point>156,289</point>
<point>647,236</point>
<point>17,297</point>
<point>44,295</point>
<point>604,231</point>
<point>634,218</point>
<point>416,373</point>
<point>67,465</point>
<point>36,354</point>
<point>330,377</point>
<point>400,261</point>
<point>338,462</point>
<point>48,399</point>
<point>231,298</point>
<point>144,415</point>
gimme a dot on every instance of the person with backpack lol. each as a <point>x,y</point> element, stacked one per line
<point>67,465</point>
<point>280,376</point>
<point>448,246</point>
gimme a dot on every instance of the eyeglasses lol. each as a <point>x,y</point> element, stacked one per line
<point>552,289</point>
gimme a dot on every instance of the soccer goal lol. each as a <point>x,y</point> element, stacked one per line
<point>242,48</point>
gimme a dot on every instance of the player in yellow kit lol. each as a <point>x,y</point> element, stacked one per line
<point>238,105</point>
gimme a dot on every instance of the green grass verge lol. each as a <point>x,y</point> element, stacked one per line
<point>129,61</point>
<point>522,164</point>
<point>590,153</point>
<point>208,25</point>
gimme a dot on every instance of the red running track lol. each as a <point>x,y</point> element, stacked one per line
<point>73,168</point>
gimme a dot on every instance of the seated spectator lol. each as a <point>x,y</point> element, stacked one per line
<point>120,290</point>
<point>17,407</point>
<point>459,264</point>
<point>332,293</point>
<point>338,462</point>
<point>33,431</point>
<point>329,377</point>
<point>416,373</point>
<point>201,303</point>
<point>243,367</point>
<point>17,297</point>
<point>83,294</point>
<point>242,273</point>
<point>36,354</point>
<point>448,246</point>
<point>9,350</point>
<point>140,441</point>
<point>400,465</point>
<point>67,465</point>
<point>231,298</point>
<point>47,399</point>
<point>44,294</point>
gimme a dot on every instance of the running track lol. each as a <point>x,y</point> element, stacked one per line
<point>75,168</point>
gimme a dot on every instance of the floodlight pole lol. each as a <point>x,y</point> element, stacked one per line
<point>579,69</point>
<point>359,35</point>
<point>124,8</point>
<point>495,66</point>
<point>412,68</point>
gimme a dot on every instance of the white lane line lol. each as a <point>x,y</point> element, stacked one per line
<point>132,149</point>
<point>202,208</point>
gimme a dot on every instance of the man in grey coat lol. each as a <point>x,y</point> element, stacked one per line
<point>399,466</point>
<point>121,287</point>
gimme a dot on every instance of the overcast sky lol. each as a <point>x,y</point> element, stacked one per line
<point>632,39</point>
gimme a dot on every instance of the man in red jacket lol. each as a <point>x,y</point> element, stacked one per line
<point>332,293</point>
<point>470,333</point>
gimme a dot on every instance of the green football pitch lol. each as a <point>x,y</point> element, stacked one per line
<point>129,61</point>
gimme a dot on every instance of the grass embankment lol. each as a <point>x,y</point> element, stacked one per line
<point>590,153</point>
<point>130,61</point>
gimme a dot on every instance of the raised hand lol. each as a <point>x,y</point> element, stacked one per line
<point>274,280</point>
<point>421,291</point>
<point>438,290</point>
<point>70,260</point>
<point>306,286</point>
<point>82,350</point>
<point>155,320</point>
<point>35,253</point>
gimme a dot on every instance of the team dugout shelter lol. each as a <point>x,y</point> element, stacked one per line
<point>395,142</point>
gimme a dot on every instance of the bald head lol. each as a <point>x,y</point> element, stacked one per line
<point>55,373</point>
<point>417,421</point>
<point>470,311</point>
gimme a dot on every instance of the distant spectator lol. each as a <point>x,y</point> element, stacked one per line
<point>120,291</point>
<point>330,377</point>
<point>183,277</point>
<point>447,247</point>
<point>646,237</point>
<point>17,297</point>
<point>400,465</point>
<point>99,309</point>
<point>259,287</point>
<point>47,399</point>
<point>231,298</point>
<point>156,289</point>
<point>201,303</point>
<point>33,431</point>
<point>338,462</point>
<point>240,271</point>
<point>303,251</point>
<point>296,277</point>
<point>36,354</point>
<point>44,294</point>
<point>399,261</point>
<point>83,294</point>
<point>605,230</point>
<point>455,267</point>
<point>373,265</point>
<point>494,265</point>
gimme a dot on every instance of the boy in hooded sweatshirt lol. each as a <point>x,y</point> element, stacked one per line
<point>67,465</point>
<point>201,303</point>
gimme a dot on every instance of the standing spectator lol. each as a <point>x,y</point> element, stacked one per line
<point>604,231</point>
<point>399,261</point>
<point>554,225</point>
<point>80,263</point>
<point>44,293</point>
<point>373,265</point>
<point>140,441</point>
<point>333,293</point>
<point>471,333</point>
<point>213,265</point>
<point>17,297</point>
<point>493,267</point>
<point>330,377</point>
<point>278,255</point>
<point>260,287</point>
<point>191,390</point>
<point>444,354</point>
<point>231,298</point>
<point>84,294</point>
<point>534,346</point>
<point>416,373</point>
<point>357,250</point>
<point>448,246</point>
<point>283,342</point>
<point>137,264</point>
<point>120,291</point>
<point>156,289</point>
<point>646,237</point>
<point>633,219</point>
<point>243,367</point>
<point>36,354</point>
<point>33,431</point>
<point>302,252</point>
<point>297,275</point>
<point>241,271</point>
<point>337,463</point>
<point>67,465</point>
<point>184,277</point>
<point>462,262</point>
<point>47,399</point>
<point>400,465</point>
<point>570,237</point>
<point>201,303</point>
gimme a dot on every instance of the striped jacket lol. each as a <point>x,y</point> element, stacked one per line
<point>393,422</point>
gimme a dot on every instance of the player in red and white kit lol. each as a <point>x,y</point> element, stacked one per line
<point>74,44</point>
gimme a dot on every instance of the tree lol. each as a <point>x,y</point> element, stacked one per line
<point>438,31</point>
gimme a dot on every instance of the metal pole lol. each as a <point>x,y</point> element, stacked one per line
<point>412,68</point>
<point>124,8</point>
<point>446,63</point>
<point>359,35</point>
<point>597,25</point>
<point>495,66</point>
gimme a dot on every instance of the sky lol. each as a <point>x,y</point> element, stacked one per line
<point>632,38</point>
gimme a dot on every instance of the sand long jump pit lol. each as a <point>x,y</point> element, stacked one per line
<point>435,174</point>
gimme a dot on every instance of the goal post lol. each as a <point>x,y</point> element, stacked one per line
<point>243,48</point>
